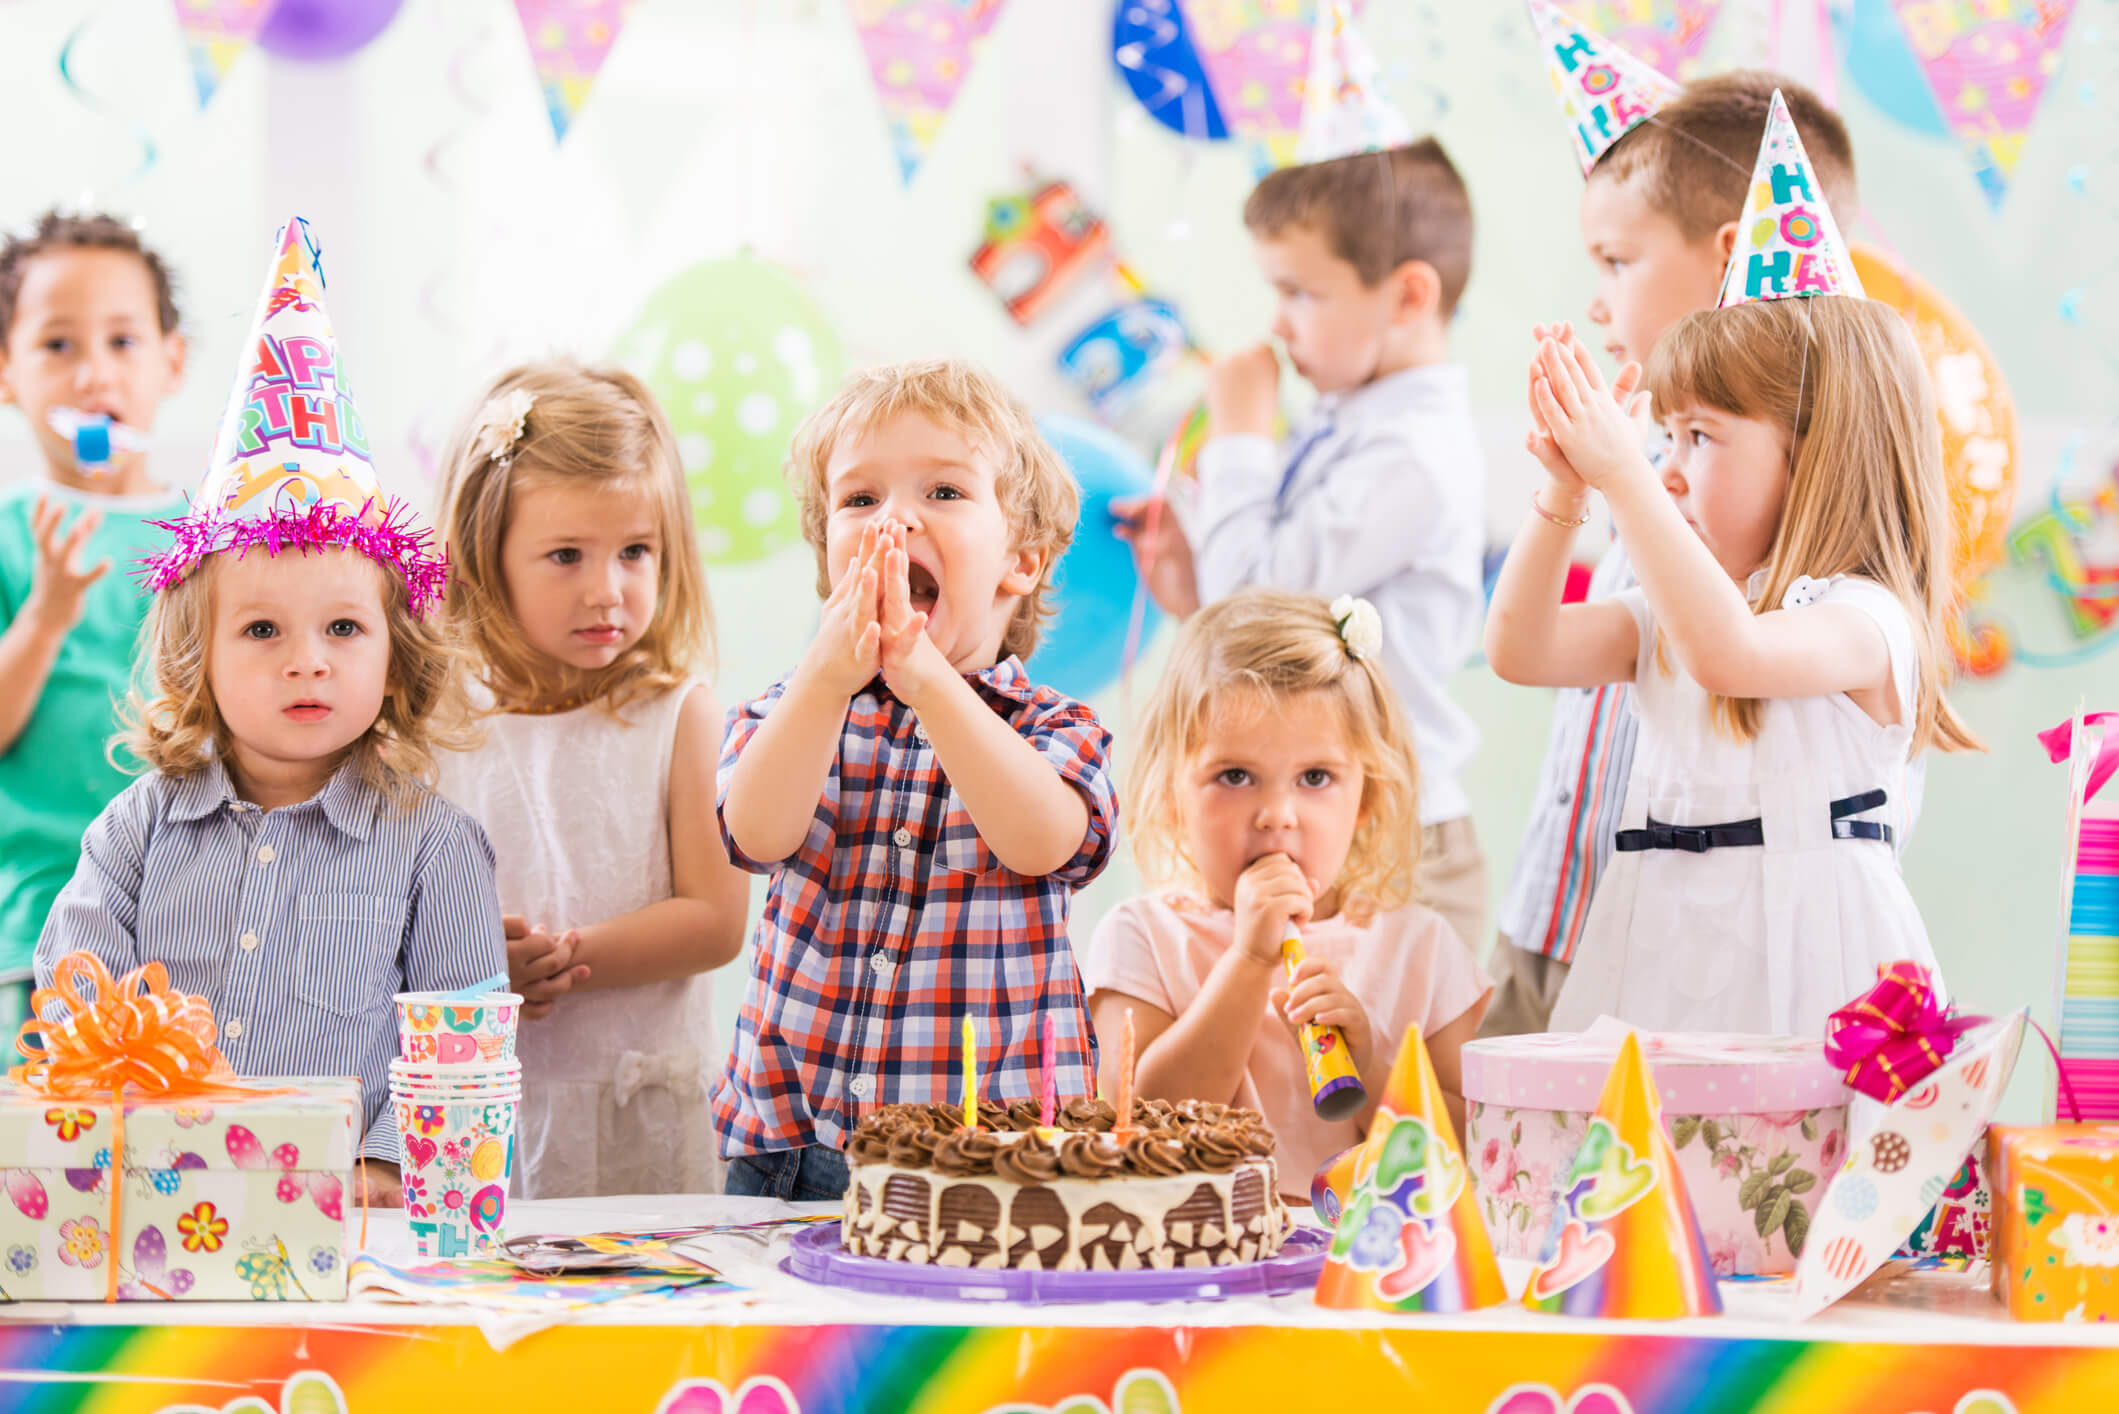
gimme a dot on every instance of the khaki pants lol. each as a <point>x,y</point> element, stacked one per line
<point>1526,984</point>
<point>1451,878</point>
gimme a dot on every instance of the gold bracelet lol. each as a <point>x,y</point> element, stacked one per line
<point>1575,524</point>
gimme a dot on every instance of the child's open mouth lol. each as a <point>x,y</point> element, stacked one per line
<point>925,589</point>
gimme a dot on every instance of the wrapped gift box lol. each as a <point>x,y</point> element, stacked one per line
<point>223,1199</point>
<point>1757,1122</point>
<point>1957,1225</point>
<point>2055,1234</point>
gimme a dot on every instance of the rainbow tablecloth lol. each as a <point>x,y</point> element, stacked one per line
<point>1930,1344</point>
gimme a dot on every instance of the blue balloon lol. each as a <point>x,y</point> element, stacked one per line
<point>1156,58</point>
<point>1080,652</point>
<point>1880,60</point>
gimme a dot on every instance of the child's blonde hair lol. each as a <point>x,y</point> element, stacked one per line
<point>1267,644</point>
<point>1037,492</point>
<point>175,727</point>
<point>1865,490</point>
<point>596,426</point>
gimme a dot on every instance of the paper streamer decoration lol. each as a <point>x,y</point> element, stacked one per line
<point>1344,111</point>
<point>1411,1239</point>
<point>737,354</point>
<point>1625,1240</point>
<point>919,52</point>
<point>1788,245</point>
<point>1987,66</point>
<point>1895,1174</point>
<point>2088,972</point>
<point>216,32</point>
<point>569,40</point>
<point>1604,91</point>
<point>1665,35</point>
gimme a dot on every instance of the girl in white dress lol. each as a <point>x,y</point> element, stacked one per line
<point>1785,640</point>
<point>575,579</point>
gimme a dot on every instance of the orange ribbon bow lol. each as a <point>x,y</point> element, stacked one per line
<point>133,1031</point>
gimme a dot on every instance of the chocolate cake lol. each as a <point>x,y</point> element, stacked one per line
<point>1191,1185</point>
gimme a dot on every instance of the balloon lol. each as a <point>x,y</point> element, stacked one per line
<point>1081,651</point>
<point>737,354</point>
<point>1873,44</point>
<point>316,30</point>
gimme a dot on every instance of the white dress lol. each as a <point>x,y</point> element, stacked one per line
<point>1765,938</point>
<point>614,1081</point>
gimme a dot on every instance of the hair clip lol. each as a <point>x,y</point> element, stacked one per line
<point>500,424</point>
<point>1360,626</point>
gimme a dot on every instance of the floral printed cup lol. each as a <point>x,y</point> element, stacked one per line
<point>458,1156</point>
<point>433,1029</point>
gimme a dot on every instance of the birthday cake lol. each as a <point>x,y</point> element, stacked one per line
<point>1192,1185</point>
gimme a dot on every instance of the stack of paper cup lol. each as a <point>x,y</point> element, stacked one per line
<point>456,1087</point>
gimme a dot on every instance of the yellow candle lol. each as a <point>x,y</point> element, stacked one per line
<point>971,1076</point>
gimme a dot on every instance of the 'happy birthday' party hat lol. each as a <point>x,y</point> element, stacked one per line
<point>1625,1240</point>
<point>291,467</point>
<point>1604,91</point>
<point>1344,111</point>
<point>1787,245</point>
<point>1410,1238</point>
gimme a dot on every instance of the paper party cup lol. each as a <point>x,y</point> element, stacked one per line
<point>458,1157</point>
<point>434,1076</point>
<point>434,1029</point>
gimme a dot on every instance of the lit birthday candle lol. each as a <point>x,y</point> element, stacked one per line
<point>1048,1089</point>
<point>971,1076</point>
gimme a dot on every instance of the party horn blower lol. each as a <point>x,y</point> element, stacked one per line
<point>1335,1086</point>
<point>1411,1238</point>
<point>1625,1240</point>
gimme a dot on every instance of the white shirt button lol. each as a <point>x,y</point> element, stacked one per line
<point>919,734</point>
<point>902,836</point>
<point>1565,795</point>
<point>264,854</point>
<point>859,1087</point>
<point>879,963</point>
<point>233,1030</point>
<point>249,941</point>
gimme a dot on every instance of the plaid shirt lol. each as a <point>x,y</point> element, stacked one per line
<point>893,920</point>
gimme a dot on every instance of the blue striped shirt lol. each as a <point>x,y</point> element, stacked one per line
<point>299,924</point>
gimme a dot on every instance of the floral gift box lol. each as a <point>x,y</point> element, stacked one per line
<point>2055,1236</point>
<point>236,1197</point>
<point>1757,1122</point>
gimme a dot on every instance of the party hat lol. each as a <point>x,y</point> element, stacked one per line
<point>1344,111</point>
<point>1787,244</point>
<point>1625,1240</point>
<point>1604,91</point>
<point>291,468</point>
<point>1410,1238</point>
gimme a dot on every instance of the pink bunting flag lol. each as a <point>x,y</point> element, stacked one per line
<point>1666,35</point>
<point>919,52</point>
<point>1987,66</point>
<point>216,32</point>
<point>569,40</point>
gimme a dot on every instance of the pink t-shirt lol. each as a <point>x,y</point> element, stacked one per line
<point>1405,965</point>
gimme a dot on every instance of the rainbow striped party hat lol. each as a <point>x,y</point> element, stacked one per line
<point>1625,1240</point>
<point>1787,245</point>
<point>1410,1238</point>
<point>1605,92</point>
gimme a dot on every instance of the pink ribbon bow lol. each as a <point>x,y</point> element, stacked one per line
<point>1894,1035</point>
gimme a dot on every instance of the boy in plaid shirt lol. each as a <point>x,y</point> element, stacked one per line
<point>922,809</point>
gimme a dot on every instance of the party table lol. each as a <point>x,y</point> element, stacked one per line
<point>1918,1343</point>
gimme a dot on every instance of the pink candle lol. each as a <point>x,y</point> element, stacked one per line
<point>1123,1101</point>
<point>1048,1109</point>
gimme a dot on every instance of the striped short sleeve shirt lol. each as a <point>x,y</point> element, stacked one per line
<point>298,925</point>
<point>893,920</point>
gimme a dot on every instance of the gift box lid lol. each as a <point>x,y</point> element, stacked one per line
<point>304,1123</point>
<point>2047,1143</point>
<point>1695,1072</point>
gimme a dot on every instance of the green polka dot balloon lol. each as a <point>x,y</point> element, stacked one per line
<point>738,355</point>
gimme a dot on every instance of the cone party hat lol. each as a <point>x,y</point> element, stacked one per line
<point>291,467</point>
<point>1625,1240</point>
<point>1604,91</point>
<point>1787,244</point>
<point>1410,1238</point>
<point>1344,111</point>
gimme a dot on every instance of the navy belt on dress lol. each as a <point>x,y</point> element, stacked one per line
<point>1698,839</point>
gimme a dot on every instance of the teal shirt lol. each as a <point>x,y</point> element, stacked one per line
<point>55,779</point>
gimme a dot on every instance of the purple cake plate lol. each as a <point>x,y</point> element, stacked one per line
<point>817,1257</point>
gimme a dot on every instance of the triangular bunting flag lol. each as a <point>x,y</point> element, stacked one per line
<point>216,32</point>
<point>1666,35</point>
<point>1410,1238</point>
<point>1987,65</point>
<point>1625,1240</point>
<point>1604,91</point>
<point>1787,244</point>
<point>569,40</point>
<point>919,52</point>
<point>1343,108</point>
